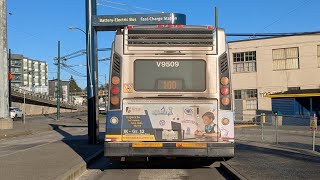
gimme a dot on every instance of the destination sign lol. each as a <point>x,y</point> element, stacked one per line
<point>107,22</point>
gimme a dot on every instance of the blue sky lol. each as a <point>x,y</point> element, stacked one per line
<point>35,26</point>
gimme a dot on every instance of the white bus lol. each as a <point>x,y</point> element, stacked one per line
<point>169,93</point>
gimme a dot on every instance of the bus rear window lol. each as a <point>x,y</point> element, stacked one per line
<point>170,75</point>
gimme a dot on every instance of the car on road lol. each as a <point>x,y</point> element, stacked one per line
<point>102,109</point>
<point>16,113</point>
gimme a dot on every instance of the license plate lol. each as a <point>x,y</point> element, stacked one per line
<point>169,134</point>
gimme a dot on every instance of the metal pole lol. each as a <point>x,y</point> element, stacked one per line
<point>24,107</point>
<point>58,88</point>
<point>261,121</point>
<point>314,135</point>
<point>9,62</point>
<point>216,25</point>
<point>276,119</point>
<point>105,96</point>
<point>92,73</point>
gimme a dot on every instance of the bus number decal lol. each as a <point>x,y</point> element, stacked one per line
<point>168,64</point>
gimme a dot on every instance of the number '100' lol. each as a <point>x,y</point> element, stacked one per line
<point>169,85</point>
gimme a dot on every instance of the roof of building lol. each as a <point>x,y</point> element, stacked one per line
<point>273,36</point>
<point>296,93</point>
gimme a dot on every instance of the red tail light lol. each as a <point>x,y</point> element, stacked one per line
<point>115,90</point>
<point>129,27</point>
<point>170,26</point>
<point>224,91</point>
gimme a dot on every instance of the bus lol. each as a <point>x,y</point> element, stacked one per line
<point>169,93</point>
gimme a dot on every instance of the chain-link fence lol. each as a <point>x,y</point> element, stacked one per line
<point>291,131</point>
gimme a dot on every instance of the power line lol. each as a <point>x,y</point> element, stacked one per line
<point>131,6</point>
<point>289,12</point>
<point>117,8</point>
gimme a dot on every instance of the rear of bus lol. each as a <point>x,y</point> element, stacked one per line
<point>169,93</point>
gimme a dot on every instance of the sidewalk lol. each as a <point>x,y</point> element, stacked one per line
<point>255,160</point>
<point>60,149</point>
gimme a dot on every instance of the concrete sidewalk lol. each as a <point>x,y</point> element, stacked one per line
<point>63,157</point>
<point>264,161</point>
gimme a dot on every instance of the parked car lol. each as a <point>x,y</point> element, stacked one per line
<point>102,109</point>
<point>16,113</point>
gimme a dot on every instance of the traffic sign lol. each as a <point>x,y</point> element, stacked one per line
<point>313,123</point>
<point>10,76</point>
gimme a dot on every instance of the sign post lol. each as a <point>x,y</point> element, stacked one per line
<point>313,127</point>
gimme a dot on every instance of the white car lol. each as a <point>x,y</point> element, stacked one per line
<point>16,113</point>
<point>102,109</point>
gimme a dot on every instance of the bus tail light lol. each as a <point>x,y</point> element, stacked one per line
<point>225,85</point>
<point>210,27</point>
<point>115,90</point>
<point>225,101</point>
<point>224,91</point>
<point>224,81</point>
<point>115,85</point>
<point>115,100</point>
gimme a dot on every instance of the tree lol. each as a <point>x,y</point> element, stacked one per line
<point>74,86</point>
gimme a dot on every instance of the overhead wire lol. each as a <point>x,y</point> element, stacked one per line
<point>132,6</point>
<point>288,13</point>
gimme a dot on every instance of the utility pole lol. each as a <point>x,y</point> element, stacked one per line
<point>58,84</point>
<point>106,92</point>
<point>9,61</point>
<point>5,121</point>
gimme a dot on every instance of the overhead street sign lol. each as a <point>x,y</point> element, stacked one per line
<point>112,22</point>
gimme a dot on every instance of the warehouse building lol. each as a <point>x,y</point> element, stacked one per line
<point>265,66</point>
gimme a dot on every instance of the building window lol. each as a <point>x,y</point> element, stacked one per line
<point>249,96</point>
<point>237,94</point>
<point>244,61</point>
<point>251,104</point>
<point>318,55</point>
<point>285,58</point>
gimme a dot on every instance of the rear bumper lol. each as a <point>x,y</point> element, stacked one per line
<point>214,150</point>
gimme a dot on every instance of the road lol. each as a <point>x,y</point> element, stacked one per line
<point>154,169</point>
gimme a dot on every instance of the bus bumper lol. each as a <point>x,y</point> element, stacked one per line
<point>214,150</point>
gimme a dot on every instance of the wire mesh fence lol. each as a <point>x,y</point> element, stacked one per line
<point>291,131</point>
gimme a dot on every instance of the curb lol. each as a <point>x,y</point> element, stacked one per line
<point>231,171</point>
<point>281,147</point>
<point>77,170</point>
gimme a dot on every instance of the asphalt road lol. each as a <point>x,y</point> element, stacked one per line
<point>154,169</point>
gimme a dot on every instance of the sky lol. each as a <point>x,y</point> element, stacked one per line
<point>36,26</point>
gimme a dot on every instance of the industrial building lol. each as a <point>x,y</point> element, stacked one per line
<point>265,66</point>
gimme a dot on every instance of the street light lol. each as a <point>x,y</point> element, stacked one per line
<point>73,28</point>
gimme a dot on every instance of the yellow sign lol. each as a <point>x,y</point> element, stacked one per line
<point>142,145</point>
<point>128,88</point>
<point>313,123</point>
<point>191,145</point>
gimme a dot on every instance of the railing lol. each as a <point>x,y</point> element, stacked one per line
<point>285,130</point>
<point>38,95</point>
